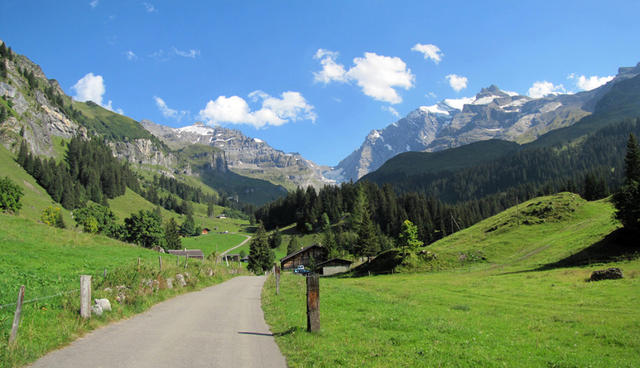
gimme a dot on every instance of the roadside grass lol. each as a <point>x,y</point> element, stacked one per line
<point>49,261</point>
<point>505,310</point>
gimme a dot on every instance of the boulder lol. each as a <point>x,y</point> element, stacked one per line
<point>608,274</point>
<point>169,283</point>
<point>104,304</point>
<point>180,280</point>
<point>96,309</point>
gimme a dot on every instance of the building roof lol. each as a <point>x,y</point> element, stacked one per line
<point>335,260</point>
<point>190,253</point>
<point>300,251</point>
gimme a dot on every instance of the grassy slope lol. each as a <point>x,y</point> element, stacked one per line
<point>503,312</point>
<point>49,261</point>
<point>35,197</point>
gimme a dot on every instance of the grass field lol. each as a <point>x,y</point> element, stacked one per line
<point>49,261</point>
<point>213,242</point>
<point>506,310</point>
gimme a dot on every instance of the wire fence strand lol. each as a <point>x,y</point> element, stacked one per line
<point>40,298</point>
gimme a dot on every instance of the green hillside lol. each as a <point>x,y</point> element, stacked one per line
<point>35,198</point>
<point>415,163</point>
<point>109,124</point>
<point>517,307</point>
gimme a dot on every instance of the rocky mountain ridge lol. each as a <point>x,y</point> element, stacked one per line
<point>244,155</point>
<point>490,114</point>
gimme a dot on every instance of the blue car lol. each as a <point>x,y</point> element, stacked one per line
<point>301,270</point>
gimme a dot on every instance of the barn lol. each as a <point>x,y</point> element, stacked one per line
<point>189,253</point>
<point>313,254</point>
<point>333,266</point>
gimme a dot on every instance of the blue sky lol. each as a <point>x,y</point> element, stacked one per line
<point>315,76</point>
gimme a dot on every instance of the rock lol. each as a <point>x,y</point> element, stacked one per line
<point>96,309</point>
<point>180,280</point>
<point>169,283</point>
<point>104,304</point>
<point>210,272</point>
<point>156,284</point>
<point>108,290</point>
<point>608,274</point>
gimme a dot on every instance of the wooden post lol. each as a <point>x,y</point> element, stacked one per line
<point>138,264</point>
<point>177,260</point>
<point>313,303</point>
<point>85,296</point>
<point>16,316</point>
<point>160,262</point>
<point>277,269</point>
<point>186,258</point>
<point>104,274</point>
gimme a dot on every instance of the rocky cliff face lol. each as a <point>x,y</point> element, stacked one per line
<point>39,114</point>
<point>491,114</point>
<point>244,155</point>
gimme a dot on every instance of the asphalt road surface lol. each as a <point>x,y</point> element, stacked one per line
<point>220,326</point>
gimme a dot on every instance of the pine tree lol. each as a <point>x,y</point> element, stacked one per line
<point>188,227</point>
<point>210,209</point>
<point>293,245</point>
<point>275,239</point>
<point>22,154</point>
<point>627,200</point>
<point>260,256</point>
<point>172,235</point>
<point>367,243</point>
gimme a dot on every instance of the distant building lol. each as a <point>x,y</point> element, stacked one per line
<point>313,254</point>
<point>231,257</point>
<point>205,231</point>
<point>189,253</point>
<point>221,216</point>
<point>333,266</point>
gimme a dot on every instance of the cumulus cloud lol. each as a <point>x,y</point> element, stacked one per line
<point>291,106</point>
<point>131,55</point>
<point>91,88</point>
<point>377,75</point>
<point>390,110</point>
<point>331,71</point>
<point>589,83</point>
<point>544,88</point>
<point>94,3</point>
<point>457,82</point>
<point>429,51</point>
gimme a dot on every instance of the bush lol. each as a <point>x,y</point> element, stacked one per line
<point>52,216</point>
<point>10,195</point>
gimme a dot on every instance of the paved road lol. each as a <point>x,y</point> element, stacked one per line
<point>236,246</point>
<point>220,326</point>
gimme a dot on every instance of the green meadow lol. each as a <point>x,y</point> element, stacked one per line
<point>511,291</point>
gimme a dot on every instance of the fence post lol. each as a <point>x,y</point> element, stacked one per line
<point>160,262</point>
<point>186,258</point>
<point>16,316</point>
<point>104,274</point>
<point>277,279</point>
<point>85,296</point>
<point>313,303</point>
<point>138,264</point>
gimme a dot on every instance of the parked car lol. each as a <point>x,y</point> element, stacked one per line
<point>301,270</point>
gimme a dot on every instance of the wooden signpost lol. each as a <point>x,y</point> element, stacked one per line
<point>85,296</point>
<point>277,272</point>
<point>313,303</point>
<point>16,316</point>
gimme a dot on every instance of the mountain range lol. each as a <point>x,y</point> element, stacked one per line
<point>491,114</point>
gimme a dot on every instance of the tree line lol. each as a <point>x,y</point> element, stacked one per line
<point>88,172</point>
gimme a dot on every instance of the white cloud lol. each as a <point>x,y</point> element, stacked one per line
<point>91,88</point>
<point>429,51</point>
<point>430,94</point>
<point>331,71</point>
<point>391,110</point>
<point>149,7</point>
<point>131,55</point>
<point>291,106</point>
<point>94,3</point>
<point>168,112</point>
<point>544,88</point>
<point>377,75</point>
<point>188,54</point>
<point>589,83</point>
<point>457,82</point>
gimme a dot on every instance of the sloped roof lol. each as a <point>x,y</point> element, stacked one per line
<point>300,251</point>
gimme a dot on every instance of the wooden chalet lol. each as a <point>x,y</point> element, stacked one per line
<point>205,231</point>
<point>333,266</point>
<point>189,253</point>
<point>306,256</point>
